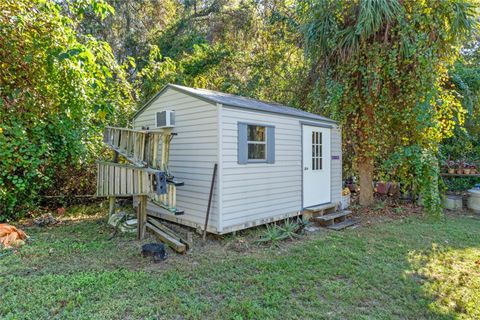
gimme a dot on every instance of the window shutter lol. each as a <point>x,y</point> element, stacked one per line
<point>270,144</point>
<point>242,143</point>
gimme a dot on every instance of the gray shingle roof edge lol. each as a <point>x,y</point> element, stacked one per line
<point>238,102</point>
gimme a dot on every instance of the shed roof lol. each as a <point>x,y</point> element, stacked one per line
<point>238,102</point>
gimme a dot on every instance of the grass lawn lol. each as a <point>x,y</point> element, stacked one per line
<point>404,269</point>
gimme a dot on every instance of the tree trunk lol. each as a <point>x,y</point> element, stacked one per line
<point>366,154</point>
<point>365,172</point>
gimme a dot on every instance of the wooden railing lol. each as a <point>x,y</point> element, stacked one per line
<point>140,147</point>
<point>117,180</point>
<point>168,200</point>
<point>120,180</point>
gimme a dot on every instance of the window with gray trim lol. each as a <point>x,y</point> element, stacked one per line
<point>256,143</point>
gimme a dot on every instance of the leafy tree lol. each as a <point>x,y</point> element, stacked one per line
<point>251,48</point>
<point>465,77</point>
<point>465,142</point>
<point>128,31</point>
<point>56,90</point>
<point>382,70</point>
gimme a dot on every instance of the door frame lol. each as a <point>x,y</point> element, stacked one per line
<point>320,125</point>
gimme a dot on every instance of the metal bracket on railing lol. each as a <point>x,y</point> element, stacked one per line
<point>160,184</point>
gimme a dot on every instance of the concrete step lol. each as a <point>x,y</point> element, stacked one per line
<point>344,224</point>
<point>332,216</point>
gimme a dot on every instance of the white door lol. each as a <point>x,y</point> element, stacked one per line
<point>316,166</point>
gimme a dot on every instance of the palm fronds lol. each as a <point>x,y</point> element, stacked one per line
<point>331,35</point>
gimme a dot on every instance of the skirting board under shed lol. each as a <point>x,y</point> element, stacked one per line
<point>259,222</point>
<point>155,211</point>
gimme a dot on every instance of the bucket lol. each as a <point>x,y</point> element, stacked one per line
<point>453,203</point>
<point>473,202</point>
<point>345,202</point>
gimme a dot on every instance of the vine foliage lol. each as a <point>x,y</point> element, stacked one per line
<point>383,73</point>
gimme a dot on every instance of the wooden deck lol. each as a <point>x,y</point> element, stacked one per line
<point>146,176</point>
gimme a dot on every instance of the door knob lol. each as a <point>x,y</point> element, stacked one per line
<point>306,168</point>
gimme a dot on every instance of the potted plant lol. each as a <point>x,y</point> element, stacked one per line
<point>473,169</point>
<point>460,167</point>
<point>466,169</point>
<point>451,167</point>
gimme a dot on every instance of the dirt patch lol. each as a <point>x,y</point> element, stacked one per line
<point>385,211</point>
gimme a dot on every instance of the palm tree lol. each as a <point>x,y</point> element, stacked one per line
<point>380,55</point>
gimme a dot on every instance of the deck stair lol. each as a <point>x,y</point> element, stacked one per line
<point>310,212</point>
<point>344,224</point>
<point>146,169</point>
<point>332,216</point>
<point>329,217</point>
<point>145,175</point>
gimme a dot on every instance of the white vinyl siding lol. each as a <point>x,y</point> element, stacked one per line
<point>260,190</point>
<point>193,152</point>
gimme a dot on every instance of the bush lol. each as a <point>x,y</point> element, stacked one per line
<point>460,184</point>
<point>57,92</point>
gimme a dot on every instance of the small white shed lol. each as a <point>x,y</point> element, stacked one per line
<point>273,161</point>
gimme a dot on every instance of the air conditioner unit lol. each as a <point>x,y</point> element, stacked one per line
<point>166,119</point>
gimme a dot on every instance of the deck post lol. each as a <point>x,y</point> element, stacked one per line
<point>111,200</point>
<point>141,217</point>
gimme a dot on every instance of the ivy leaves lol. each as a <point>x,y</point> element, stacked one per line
<point>383,69</point>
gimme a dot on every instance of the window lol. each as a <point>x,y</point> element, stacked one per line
<point>256,143</point>
<point>316,150</point>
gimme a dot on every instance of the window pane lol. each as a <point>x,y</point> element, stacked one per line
<point>256,133</point>
<point>316,150</point>
<point>256,151</point>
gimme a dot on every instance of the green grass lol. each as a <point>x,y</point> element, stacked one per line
<point>409,269</point>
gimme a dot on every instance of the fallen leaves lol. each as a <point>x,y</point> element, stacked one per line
<point>10,236</point>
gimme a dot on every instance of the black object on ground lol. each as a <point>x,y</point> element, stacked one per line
<point>155,250</point>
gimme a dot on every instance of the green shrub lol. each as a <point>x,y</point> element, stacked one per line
<point>57,90</point>
<point>460,184</point>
